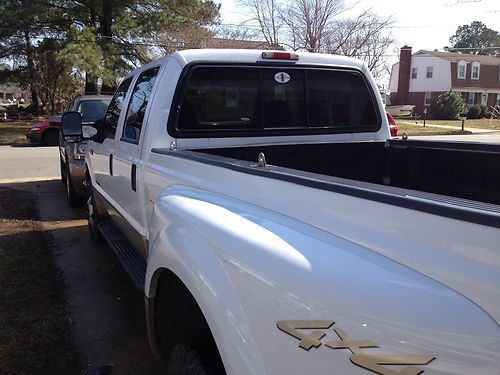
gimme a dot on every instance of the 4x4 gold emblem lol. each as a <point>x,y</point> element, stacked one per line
<point>373,362</point>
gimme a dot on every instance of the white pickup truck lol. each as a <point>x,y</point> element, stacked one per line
<point>275,228</point>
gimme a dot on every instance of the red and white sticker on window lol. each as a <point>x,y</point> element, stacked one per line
<point>282,77</point>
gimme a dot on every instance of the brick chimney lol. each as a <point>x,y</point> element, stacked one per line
<point>404,75</point>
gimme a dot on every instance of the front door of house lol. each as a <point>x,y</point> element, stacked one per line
<point>484,99</point>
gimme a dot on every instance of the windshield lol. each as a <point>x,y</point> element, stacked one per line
<point>261,99</point>
<point>93,110</point>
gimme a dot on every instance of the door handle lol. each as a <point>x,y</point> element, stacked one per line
<point>111,164</point>
<point>133,177</point>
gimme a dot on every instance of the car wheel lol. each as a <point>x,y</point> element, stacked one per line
<point>50,138</point>
<point>185,361</point>
<point>93,219</point>
<point>71,196</point>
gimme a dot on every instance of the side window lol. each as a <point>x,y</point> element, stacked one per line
<point>115,108</point>
<point>137,106</point>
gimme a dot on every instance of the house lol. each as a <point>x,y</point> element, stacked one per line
<point>419,78</point>
<point>11,93</point>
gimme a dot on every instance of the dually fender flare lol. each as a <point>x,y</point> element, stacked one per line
<point>179,243</point>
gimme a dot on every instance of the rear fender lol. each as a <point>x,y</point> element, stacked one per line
<point>179,243</point>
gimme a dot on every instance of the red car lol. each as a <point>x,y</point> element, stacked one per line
<point>393,127</point>
<point>46,131</point>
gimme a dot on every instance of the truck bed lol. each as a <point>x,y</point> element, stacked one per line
<point>456,174</point>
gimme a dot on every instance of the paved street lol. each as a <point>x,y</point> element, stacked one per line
<point>28,163</point>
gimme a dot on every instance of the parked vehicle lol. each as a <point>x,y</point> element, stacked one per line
<point>46,131</point>
<point>275,228</point>
<point>405,110</point>
<point>72,149</point>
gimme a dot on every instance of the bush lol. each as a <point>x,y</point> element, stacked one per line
<point>474,112</point>
<point>483,111</point>
<point>12,112</point>
<point>447,106</point>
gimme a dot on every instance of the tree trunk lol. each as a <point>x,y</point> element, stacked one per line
<point>90,83</point>
<point>106,32</point>
<point>35,100</point>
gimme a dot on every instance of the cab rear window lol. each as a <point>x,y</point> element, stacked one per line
<point>263,100</point>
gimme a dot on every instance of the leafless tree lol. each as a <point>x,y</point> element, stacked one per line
<point>266,14</point>
<point>312,18</point>
<point>365,37</point>
<point>316,26</point>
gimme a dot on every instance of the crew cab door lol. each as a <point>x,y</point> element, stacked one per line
<point>128,165</point>
<point>102,153</point>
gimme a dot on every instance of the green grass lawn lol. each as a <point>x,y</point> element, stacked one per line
<point>410,128</point>
<point>13,132</point>
<point>483,123</point>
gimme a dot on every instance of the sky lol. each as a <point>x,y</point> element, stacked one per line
<point>421,24</point>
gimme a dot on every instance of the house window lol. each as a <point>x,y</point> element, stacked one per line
<point>9,96</point>
<point>414,72</point>
<point>1,95</point>
<point>462,69</point>
<point>475,70</point>
<point>470,100</point>
<point>429,72</point>
<point>498,100</point>
<point>427,98</point>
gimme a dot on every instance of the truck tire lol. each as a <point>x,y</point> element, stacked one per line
<point>185,361</point>
<point>181,333</point>
<point>50,137</point>
<point>71,196</point>
<point>93,218</point>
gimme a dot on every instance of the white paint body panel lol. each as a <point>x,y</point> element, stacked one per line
<point>254,250</point>
<point>319,255</point>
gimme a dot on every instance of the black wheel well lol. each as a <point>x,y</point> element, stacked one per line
<point>178,319</point>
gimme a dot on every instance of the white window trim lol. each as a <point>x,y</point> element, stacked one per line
<point>429,69</point>
<point>475,64</point>
<point>427,96</point>
<point>416,73</point>
<point>464,64</point>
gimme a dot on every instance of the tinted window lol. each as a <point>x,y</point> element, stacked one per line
<point>93,110</point>
<point>339,99</point>
<point>138,104</point>
<point>216,98</point>
<point>261,98</point>
<point>115,108</point>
